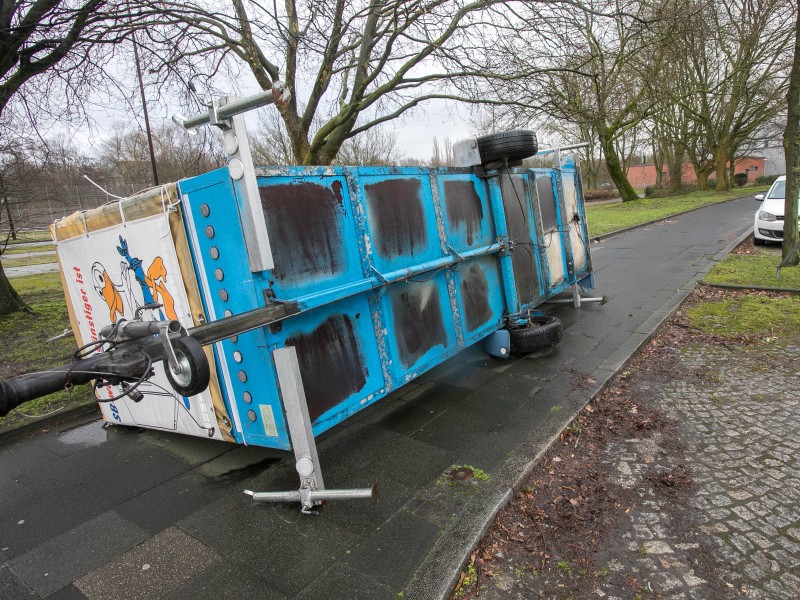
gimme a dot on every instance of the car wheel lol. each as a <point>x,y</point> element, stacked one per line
<point>539,334</point>
<point>511,146</point>
<point>758,242</point>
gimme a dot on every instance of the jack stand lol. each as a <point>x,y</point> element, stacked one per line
<point>577,300</point>
<point>312,490</point>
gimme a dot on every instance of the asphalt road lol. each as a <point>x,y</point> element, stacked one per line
<point>93,512</point>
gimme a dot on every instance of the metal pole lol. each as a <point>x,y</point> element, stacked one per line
<point>144,107</point>
<point>279,94</point>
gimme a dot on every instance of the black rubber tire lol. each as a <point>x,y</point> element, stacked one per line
<point>538,335</point>
<point>190,354</point>
<point>758,242</point>
<point>511,146</point>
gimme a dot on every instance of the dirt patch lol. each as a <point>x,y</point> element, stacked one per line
<point>564,535</point>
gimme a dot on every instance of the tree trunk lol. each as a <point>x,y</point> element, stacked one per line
<point>676,168</point>
<point>616,173</point>
<point>11,227</point>
<point>721,169</point>
<point>791,145</point>
<point>658,163</point>
<point>10,302</point>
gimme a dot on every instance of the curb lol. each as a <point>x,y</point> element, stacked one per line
<point>440,572</point>
<point>605,236</point>
<point>23,428</point>
<point>730,286</point>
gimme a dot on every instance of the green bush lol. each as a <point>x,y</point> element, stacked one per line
<point>740,179</point>
<point>650,191</point>
<point>601,194</point>
<point>654,191</point>
<point>766,179</point>
<point>712,184</point>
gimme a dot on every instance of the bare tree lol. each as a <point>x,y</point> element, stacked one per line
<point>374,147</point>
<point>607,90</point>
<point>50,50</point>
<point>51,45</point>
<point>595,63</point>
<point>125,154</point>
<point>732,77</point>
<point>442,154</point>
<point>270,144</point>
<point>349,65</point>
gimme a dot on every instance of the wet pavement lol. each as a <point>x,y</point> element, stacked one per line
<point>95,513</point>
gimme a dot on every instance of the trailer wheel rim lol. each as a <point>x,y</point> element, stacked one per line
<point>184,377</point>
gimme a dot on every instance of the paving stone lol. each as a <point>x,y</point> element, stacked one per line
<point>657,547</point>
<point>63,559</point>
<point>153,570</point>
<point>747,509</point>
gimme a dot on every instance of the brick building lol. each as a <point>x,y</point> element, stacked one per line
<point>644,175</point>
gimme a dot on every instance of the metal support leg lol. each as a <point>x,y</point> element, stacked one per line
<point>577,299</point>
<point>312,490</point>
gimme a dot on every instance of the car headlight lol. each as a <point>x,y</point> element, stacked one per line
<point>765,216</point>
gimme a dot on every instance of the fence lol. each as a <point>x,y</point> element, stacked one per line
<point>35,207</point>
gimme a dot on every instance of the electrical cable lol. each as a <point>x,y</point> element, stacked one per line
<point>96,345</point>
<point>127,391</point>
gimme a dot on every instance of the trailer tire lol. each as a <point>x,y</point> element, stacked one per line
<point>538,335</point>
<point>195,370</point>
<point>511,146</point>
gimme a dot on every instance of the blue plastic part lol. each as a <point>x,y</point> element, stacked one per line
<point>394,271</point>
<point>498,344</point>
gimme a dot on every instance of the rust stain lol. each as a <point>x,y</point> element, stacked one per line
<point>397,216</point>
<point>336,186</point>
<point>463,207</point>
<point>304,225</point>
<point>475,295</point>
<point>331,363</point>
<point>418,324</point>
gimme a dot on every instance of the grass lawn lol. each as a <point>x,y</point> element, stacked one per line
<point>747,315</point>
<point>42,258</point>
<point>12,250</point>
<point>755,312</point>
<point>754,269</point>
<point>606,218</point>
<point>29,236</point>
<point>23,338</point>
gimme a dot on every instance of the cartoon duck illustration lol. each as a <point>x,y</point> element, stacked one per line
<point>108,291</point>
<point>153,284</point>
<point>157,282</point>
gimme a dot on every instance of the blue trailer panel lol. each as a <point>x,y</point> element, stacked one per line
<point>393,269</point>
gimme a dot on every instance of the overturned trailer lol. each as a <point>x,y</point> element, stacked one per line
<point>264,305</point>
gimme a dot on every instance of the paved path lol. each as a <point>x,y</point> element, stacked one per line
<point>31,270</point>
<point>30,244</point>
<point>48,253</point>
<point>120,513</point>
<point>742,524</point>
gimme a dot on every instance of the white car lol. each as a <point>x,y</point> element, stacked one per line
<point>768,226</point>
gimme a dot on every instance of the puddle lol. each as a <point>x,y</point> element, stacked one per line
<point>91,434</point>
